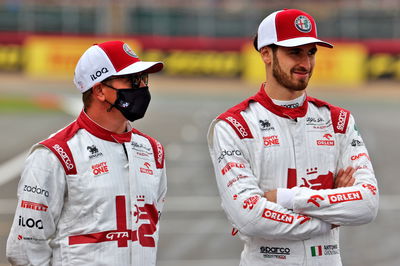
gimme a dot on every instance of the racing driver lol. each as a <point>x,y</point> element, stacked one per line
<point>291,169</point>
<point>92,193</point>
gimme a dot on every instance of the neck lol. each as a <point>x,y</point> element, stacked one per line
<point>113,121</point>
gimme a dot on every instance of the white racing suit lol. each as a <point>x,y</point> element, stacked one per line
<point>88,196</point>
<point>258,146</point>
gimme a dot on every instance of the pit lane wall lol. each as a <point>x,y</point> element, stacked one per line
<point>349,63</point>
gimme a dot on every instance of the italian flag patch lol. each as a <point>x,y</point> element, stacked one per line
<point>316,251</point>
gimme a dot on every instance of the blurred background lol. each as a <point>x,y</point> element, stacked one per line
<point>210,65</point>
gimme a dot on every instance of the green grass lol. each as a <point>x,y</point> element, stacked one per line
<point>24,105</point>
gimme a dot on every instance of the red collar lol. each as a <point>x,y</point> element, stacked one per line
<point>84,121</point>
<point>285,112</point>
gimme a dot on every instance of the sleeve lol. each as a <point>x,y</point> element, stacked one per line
<point>242,199</point>
<point>162,190</point>
<point>40,201</point>
<point>353,205</point>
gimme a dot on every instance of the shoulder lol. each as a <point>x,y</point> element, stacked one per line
<point>340,116</point>
<point>235,119</point>
<point>157,147</point>
<point>58,145</point>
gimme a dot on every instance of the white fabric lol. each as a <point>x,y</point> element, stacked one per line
<point>259,166</point>
<point>115,197</point>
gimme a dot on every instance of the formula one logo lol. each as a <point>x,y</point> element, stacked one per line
<point>265,125</point>
<point>271,141</point>
<point>343,197</point>
<point>303,24</point>
<point>275,252</point>
<point>251,202</point>
<point>34,206</point>
<point>231,165</point>
<point>278,216</point>
<point>100,168</point>
<point>146,170</point>
<point>314,199</point>
<point>94,152</point>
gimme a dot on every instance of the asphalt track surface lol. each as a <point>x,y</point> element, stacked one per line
<point>194,230</point>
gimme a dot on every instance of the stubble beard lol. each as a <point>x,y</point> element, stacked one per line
<point>285,80</point>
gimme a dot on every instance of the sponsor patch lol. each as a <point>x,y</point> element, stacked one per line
<point>242,131</point>
<point>277,216</point>
<point>343,197</point>
<point>36,190</point>
<point>30,222</point>
<point>100,169</point>
<point>146,170</point>
<point>327,141</point>
<point>231,165</point>
<point>34,206</point>
<point>265,125</point>
<point>271,141</point>
<point>358,156</point>
<point>303,24</point>
<point>234,180</point>
<point>94,152</point>
<point>64,156</point>
<point>229,153</point>
<point>372,188</point>
<point>325,250</point>
<point>275,252</point>
<point>251,202</point>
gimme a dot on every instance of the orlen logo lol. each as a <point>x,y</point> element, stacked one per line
<point>100,168</point>
<point>327,141</point>
<point>271,141</point>
<point>347,196</point>
<point>231,165</point>
<point>146,170</point>
<point>278,216</point>
<point>238,126</point>
<point>358,156</point>
<point>342,120</point>
<point>64,156</point>
<point>99,73</point>
<point>117,235</point>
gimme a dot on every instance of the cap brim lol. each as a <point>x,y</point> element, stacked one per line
<point>302,41</point>
<point>141,66</point>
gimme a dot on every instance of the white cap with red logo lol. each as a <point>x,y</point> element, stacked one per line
<point>288,28</point>
<point>107,59</point>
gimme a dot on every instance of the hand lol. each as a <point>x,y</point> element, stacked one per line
<point>344,178</point>
<point>271,195</point>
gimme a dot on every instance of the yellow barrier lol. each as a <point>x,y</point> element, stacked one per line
<point>344,64</point>
<point>56,56</point>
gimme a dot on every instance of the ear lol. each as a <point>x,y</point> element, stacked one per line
<point>98,93</point>
<point>266,55</point>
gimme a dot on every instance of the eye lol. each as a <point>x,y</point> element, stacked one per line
<point>312,51</point>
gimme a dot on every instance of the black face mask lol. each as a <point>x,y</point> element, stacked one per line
<point>132,103</point>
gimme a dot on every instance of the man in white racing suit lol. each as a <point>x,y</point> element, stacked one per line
<point>291,169</point>
<point>92,193</point>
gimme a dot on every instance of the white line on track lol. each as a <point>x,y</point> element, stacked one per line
<point>12,168</point>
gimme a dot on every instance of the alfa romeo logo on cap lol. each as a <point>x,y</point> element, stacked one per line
<point>303,24</point>
<point>129,51</point>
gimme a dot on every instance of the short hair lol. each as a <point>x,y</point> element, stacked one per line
<point>87,98</point>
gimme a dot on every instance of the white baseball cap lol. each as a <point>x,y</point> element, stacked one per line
<point>113,58</point>
<point>288,28</point>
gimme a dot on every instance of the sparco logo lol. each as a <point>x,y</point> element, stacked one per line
<point>36,190</point>
<point>30,223</point>
<point>342,120</point>
<point>64,156</point>
<point>275,250</point>
<point>238,126</point>
<point>228,153</point>
<point>99,73</point>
